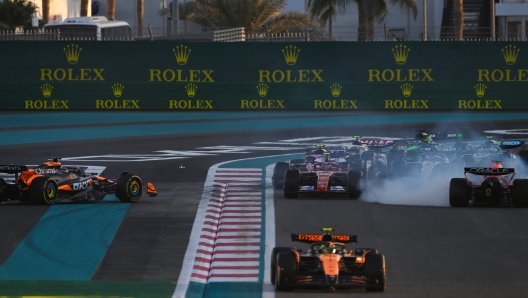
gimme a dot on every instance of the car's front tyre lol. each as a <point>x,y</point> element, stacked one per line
<point>129,188</point>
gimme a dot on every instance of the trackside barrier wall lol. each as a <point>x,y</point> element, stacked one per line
<point>173,76</point>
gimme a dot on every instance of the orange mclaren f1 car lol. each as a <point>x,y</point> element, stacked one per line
<point>328,263</point>
<point>53,182</point>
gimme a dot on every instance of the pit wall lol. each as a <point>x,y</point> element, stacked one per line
<point>309,76</point>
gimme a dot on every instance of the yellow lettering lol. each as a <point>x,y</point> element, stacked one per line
<point>45,72</point>
<point>155,73</point>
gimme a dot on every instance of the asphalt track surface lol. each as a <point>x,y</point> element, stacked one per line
<point>430,251</point>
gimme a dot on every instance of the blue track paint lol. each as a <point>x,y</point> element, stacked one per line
<point>67,243</point>
<point>83,133</point>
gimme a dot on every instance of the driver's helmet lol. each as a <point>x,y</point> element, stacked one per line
<point>326,156</point>
<point>324,249</point>
<point>327,248</point>
<point>495,166</point>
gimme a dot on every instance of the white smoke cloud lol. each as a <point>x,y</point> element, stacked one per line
<point>413,191</point>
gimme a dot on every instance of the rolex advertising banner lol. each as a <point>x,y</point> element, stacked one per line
<point>305,76</point>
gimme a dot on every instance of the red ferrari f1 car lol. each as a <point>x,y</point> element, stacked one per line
<point>328,263</point>
<point>324,176</point>
<point>53,182</point>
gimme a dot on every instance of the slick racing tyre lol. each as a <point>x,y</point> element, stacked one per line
<point>520,193</point>
<point>278,173</point>
<point>354,183</point>
<point>458,192</point>
<point>43,190</point>
<point>129,188</point>
<point>273,265</point>
<point>291,184</point>
<point>395,155</point>
<point>3,196</point>
<point>286,271</point>
<point>523,155</point>
<point>398,168</point>
<point>375,272</point>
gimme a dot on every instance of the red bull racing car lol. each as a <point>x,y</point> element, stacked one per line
<point>488,186</point>
<point>328,263</point>
<point>53,182</point>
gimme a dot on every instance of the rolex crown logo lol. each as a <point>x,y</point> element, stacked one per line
<point>400,53</point>
<point>182,54</point>
<point>291,54</point>
<point>262,89</point>
<point>406,89</point>
<point>480,89</point>
<point>117,89</point>
<point>72,53</point>
<point>336,89</point>
<point>46,90</point>
<point>510,54</point>
<point>191,90</point>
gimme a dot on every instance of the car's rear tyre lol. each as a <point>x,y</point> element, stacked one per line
<point>458,192</point>
<point>397,169</point>
<point>278,173</point>
<point>273,266</point>
<point>286,271</point>
<point>43,190</point>
<point>129,188</point>
<point>291,183</point>
<point>395,155</point>
<point>375,272</point>
<point>520,193</point>
<point>523,155</point>
<point>368,155</point>
<point>354,183</point>
<point>3,185</point>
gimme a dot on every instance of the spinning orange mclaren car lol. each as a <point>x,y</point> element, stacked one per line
<point>327,264</point>
<point>53,182</point>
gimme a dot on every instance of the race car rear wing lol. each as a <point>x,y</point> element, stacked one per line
<point>312,238</point>
<point>510,144</point>
<point>489,171</point>
<point>378,142</point>
<point>12,169</point>
<point>441,136</point>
